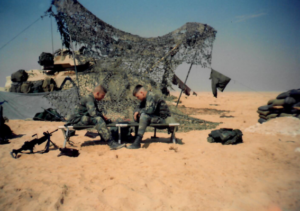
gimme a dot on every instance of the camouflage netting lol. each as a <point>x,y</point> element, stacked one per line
<point>64,101</point>
<point>123,60</point>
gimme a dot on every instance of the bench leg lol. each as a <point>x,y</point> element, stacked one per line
<point>173,136</point>
<point>66,135</point>
<point>154,134</point>
<point>119,135</point>
<point>136,128</point>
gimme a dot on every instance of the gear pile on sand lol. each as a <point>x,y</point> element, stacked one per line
<point>285,104</point>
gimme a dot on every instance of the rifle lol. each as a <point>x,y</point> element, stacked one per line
<point>29,145</point>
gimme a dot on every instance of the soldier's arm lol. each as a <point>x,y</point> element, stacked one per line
<point>137,110</point>
<point>150,107</point>
<point>92,110</point>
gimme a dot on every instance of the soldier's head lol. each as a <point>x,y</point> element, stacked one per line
<point>140,92</point>
<point>99,92</point>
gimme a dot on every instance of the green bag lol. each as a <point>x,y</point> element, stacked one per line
<point>48,115</point>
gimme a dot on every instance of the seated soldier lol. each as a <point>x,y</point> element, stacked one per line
<point>152,109</point>
<point>5,130</point>
<point>1,123</point>
<point>88,113</point>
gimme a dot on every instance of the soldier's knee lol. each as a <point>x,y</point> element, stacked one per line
<point>98,120</point>
<point>145,116</point>
<point>85,120</point>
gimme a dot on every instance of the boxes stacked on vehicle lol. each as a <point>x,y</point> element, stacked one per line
<point>285,104</point>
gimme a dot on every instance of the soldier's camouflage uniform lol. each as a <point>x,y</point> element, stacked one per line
<point>152,110</point>
<point>88,113</point>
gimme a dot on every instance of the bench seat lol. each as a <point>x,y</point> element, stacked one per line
<point>65,129</point>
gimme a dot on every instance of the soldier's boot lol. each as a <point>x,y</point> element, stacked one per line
<point>137,143</point>
<point>115,145</point>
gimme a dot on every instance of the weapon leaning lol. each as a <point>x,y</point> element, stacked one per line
<point>29,145</point>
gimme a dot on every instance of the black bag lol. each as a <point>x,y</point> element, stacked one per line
<point>19,76</point>
<point>5,130</point>
<point>68,152</point>
<point>1,117</point>
<point>46,59</point>
<point>225,136</point>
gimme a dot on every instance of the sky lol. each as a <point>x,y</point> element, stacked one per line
<point>257,43</point>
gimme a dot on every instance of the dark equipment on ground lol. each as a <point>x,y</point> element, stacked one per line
<point>5,130</point>
<point>225,136</point>
<point>29,145</point>
<point>48,115</point>
<point>68,152</point>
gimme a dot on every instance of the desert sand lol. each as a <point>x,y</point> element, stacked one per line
<point>262,174</point>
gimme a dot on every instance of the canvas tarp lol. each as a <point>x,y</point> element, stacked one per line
<point>23,106</point>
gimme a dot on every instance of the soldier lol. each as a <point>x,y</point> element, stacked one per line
<point>87,113</point>
<point>152,109</point>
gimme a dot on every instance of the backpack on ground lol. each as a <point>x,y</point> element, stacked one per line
<point>225,136</point>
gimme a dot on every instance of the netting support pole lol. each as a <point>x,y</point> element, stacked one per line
<point>71,46</point>
<point>184,83</point>
<point>51,34</point>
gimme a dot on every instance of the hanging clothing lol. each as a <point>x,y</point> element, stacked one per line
<point>181,85</point>
<point>175,80</point>
<point>218,80</point>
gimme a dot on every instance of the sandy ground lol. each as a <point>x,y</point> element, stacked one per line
<point>263,173</point>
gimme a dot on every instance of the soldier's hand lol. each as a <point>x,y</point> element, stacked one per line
<point>136,115</point>
<point>108,121</point>
<point>105,118</point>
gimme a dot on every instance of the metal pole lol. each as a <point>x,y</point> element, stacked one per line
<point>51,34</point>
<point>74,65</point>
<point>184,83</point>
<point>186,77</point>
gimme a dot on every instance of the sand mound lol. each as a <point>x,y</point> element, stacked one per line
<point>283,125</point>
